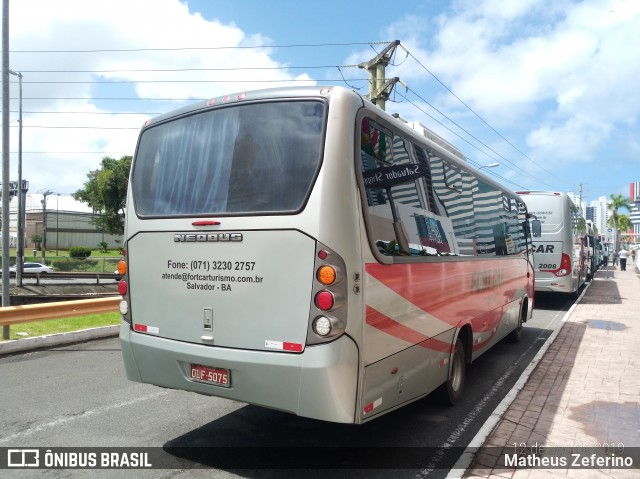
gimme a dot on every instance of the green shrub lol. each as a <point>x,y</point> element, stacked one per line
<point>74,264</point>
<point>79,252</point>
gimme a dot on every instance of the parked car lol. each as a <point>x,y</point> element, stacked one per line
<point>33,268</point>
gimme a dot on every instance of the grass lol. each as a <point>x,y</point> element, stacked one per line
<point>63,325</point>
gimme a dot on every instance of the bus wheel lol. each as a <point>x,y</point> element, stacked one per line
<point>452,389</point>
<point>516,335</point>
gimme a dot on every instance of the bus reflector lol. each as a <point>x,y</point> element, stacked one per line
<point>122,287</point>
<point>283,346</point>
<point>324,300</point>
<point>143,328</point>
<point>326,275</point>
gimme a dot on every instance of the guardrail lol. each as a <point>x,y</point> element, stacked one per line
<point>63,309</point>
<point>63,275</point>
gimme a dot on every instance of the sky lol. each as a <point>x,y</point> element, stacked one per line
<point>546,88</point>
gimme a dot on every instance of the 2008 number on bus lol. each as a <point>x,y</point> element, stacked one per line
<point>547,266</point>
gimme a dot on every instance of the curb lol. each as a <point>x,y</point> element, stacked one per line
<point>40,342</point>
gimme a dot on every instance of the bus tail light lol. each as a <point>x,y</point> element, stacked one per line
<point>123,287</point>
<point>122,267</point>
<point>322,326</point>
<point>326,274</point>
<point>326,326</point>
<point>565,266</point>
<point>123,307</point>
<point>324,300</point>
<point>328,295</point>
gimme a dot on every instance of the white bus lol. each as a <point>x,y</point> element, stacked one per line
<point>561,262</point>
<point>592,256</point>
<point>302,250</point>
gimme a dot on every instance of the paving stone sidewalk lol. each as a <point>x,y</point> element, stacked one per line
<point>585,391</point>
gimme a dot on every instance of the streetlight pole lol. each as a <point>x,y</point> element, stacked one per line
<point>21,194</point>
<point>6,300</point>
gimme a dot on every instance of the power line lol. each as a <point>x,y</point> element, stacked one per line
<point>231,80</point>
<point>239,69</point>
<point>465,140</point>
<point>173,49</point>
<point>169,70</point>
<point>502,157</point>
<point>480,117</point>
<point>89,112</point>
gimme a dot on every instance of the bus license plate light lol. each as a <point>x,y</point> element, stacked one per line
<point>206,374</point>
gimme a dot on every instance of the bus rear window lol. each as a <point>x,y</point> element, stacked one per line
<point>247,159</point>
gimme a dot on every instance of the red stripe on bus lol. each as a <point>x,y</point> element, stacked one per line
<point>389,326</point>
<point>454,292</point>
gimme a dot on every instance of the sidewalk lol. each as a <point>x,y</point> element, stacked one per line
<point>584,391</point>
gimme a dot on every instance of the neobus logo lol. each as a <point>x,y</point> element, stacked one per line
<point>207,238</point>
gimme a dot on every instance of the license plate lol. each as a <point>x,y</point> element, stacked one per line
<point>209,375</point>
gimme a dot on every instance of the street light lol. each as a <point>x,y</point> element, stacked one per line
<point>490,165</point>
<point>21,194</point>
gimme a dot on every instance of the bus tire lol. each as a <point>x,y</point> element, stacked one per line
<point>452,389</point>
<point>516,335</point>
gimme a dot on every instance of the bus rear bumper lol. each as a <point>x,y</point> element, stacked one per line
<point>554,284</point>
<point>321,382</point>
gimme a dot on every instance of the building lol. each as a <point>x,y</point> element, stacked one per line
<point>601,215</point>
<point>61,222</point>
<point>577,200</point>
<point>634,216</point>
<point>598,213</point>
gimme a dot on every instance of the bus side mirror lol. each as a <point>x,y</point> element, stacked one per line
<point>536,228</point>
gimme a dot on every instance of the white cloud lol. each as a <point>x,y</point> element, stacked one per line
<point>564,70</point>
<point>144,26</point>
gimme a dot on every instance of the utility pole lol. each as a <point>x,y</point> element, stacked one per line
<point>379,87</point>
<point>379,91</point>
<point>22,191</point>
<point>582,213</point>
<point>45,193</point>
<point>6,300</point>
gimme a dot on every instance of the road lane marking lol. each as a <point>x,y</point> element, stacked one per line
<point>66,419</point>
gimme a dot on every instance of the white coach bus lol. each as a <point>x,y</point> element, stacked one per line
<point>302,250</point>
<point>560,257</point>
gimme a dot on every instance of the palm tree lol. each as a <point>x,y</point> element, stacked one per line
<point>617,202</point>
<point>624,222</point>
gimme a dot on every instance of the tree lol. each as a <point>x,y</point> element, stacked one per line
<point>106,192</point>
<point>624,222</point>
<point>617,202</point>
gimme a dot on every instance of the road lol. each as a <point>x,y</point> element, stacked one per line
<point>78,396</point>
